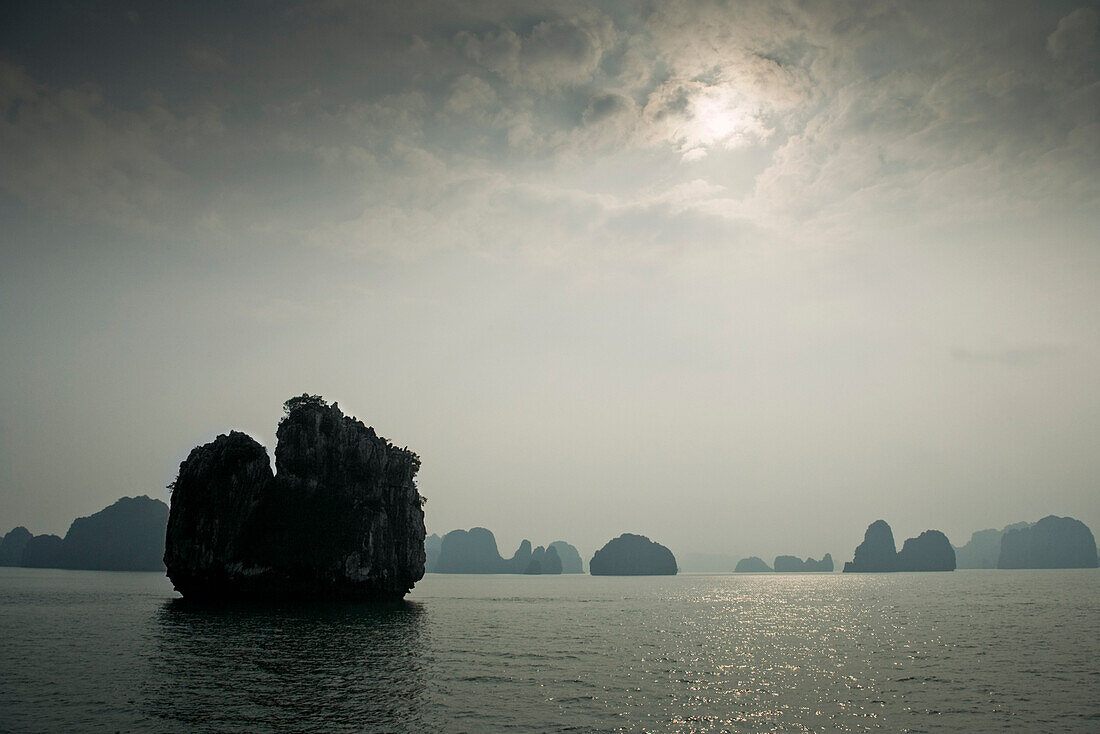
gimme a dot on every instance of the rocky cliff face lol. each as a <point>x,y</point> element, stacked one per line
<point>433,544</point>
<point>1053,542</point>
<point>876,553</point>
<point>929,551</point>
<point>127,536</point>
<point>632,555</point>
<point>342,518</point>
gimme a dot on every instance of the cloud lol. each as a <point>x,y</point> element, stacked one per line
<point>554,54</point>
<point>1075,36</point>
<point>824,122</point>
<point>68,151</point>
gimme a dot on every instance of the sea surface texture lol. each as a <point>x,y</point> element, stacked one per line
<point>966,651</point>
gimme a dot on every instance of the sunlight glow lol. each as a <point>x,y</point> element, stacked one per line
<point>720,118</point>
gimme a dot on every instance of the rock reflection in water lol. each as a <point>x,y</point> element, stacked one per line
<point>295,666</point>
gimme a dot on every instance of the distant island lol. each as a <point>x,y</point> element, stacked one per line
<point>126,536</point>
<point>792,564</point>
<point>984,548</point>
<point>570,557</point>
<point>752,564</point>
<point>341,518</point>
<point>785,564</point>
<point>931,551</point>
<point>632,555</point>
<point>475,551</point>
<point>433,544</point>
<point>1053,542</point>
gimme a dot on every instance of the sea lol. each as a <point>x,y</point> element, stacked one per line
<point>969,651</point>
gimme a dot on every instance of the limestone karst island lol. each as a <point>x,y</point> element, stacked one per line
<point>341,518</point>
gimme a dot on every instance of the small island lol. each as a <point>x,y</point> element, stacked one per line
<point>632,555</point>
<point>342,518</point>
<point>793,564</point>
<point>752,564</point>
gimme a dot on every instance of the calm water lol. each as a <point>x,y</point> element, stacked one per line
<point>969,651</point>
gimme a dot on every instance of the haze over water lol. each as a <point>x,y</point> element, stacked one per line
<point>964,651</point>
<point>739,276</point>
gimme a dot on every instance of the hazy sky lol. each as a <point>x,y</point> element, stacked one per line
<point>742,277</point>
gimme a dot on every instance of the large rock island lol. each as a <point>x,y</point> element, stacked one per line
<point>632,555</point>
<point>930,551</point>
<point>342,518</point>
<point>1053,542</point>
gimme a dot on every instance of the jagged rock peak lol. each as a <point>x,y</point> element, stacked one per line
<point>877,552</point>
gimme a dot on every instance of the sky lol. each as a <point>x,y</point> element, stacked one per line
<point>742,277</point>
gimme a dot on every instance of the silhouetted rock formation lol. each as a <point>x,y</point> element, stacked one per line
<point>787,564</point>
<point>984,548</point>
<point>520,560</point>
<point>752,564</point>
<point>42,551</point>
<point>475,551</point>
<point>632,555</point>
<point>432,546</point>
<point>570,559</point>
<point>544,561</point>
<point>930,551</point>
<point>127,536</point>
<point>877,551</point>
<point>341,519</point>
<point>13,545</point>
<point>470,551</point>
<point>1053,542</point>
<point>792,564</point>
